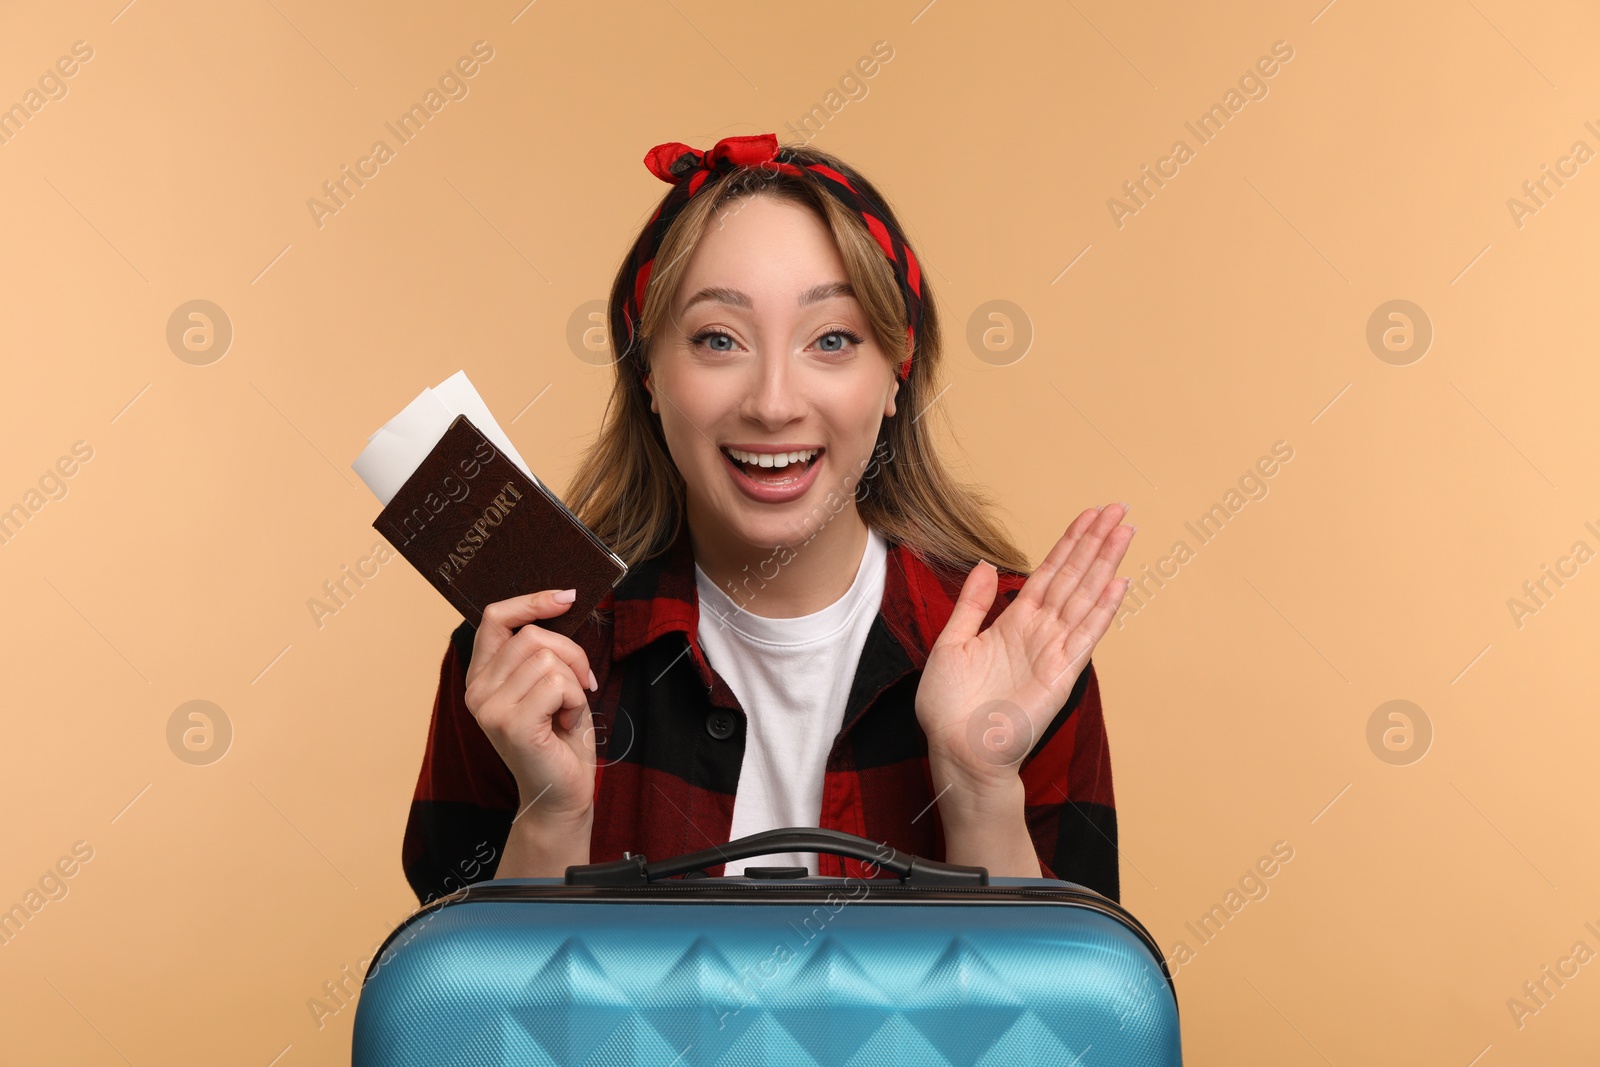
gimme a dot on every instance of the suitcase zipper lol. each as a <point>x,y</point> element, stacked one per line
<point>799,894</point>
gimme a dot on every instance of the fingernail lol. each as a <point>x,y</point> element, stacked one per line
<point>565,596</point>
<point>1125,507</point>
<point>593,684</point>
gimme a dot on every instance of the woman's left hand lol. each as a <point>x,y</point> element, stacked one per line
<point>986,698</point>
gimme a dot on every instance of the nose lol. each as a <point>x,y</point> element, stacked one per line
<point>774,399</point>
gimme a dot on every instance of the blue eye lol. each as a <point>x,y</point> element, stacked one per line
<point>705,335</point>
<point>848,335</point>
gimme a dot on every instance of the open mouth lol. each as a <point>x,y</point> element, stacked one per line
<point>772,467</point>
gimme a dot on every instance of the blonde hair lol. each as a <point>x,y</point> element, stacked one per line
<point>627,488</point>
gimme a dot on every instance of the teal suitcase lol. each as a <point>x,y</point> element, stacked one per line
<point>622,964</point>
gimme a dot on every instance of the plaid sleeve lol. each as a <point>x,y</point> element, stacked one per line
<point>1069,807</point>
<point>465,797</point>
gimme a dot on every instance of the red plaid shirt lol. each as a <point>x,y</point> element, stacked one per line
<point>670,741</point>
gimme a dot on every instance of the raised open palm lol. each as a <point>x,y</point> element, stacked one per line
<point>985,698</point>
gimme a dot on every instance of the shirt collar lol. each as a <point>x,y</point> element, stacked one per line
<point>658,597</point>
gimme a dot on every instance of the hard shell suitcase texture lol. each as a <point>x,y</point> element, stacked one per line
<point>621,964</point>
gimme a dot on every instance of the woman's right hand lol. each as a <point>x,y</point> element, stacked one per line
<point>526,690</point>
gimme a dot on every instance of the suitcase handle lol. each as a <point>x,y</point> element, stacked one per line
<point>635,870</point>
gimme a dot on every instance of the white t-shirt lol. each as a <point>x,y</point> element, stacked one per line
<point>792,677</point>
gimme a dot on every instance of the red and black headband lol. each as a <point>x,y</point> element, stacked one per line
<point>689,170</point>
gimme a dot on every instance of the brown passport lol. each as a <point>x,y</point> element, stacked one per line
<point>481,530</point>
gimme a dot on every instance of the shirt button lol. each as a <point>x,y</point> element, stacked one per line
<point>720,724</point>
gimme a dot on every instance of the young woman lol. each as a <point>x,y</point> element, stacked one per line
<point>819,627</point>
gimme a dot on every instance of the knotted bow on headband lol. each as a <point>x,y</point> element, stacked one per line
<point>689,170</point>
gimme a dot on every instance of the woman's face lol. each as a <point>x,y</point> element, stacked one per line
<point>767,353</point>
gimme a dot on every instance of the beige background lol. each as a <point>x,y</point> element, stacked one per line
<point>1229,313</point>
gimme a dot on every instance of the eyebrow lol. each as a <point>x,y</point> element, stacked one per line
<point>724,295</point>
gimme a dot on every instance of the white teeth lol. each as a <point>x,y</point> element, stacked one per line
<point>771,459</point>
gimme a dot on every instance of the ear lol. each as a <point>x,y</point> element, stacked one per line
<point>654,406</point>
<point>888,406</point>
